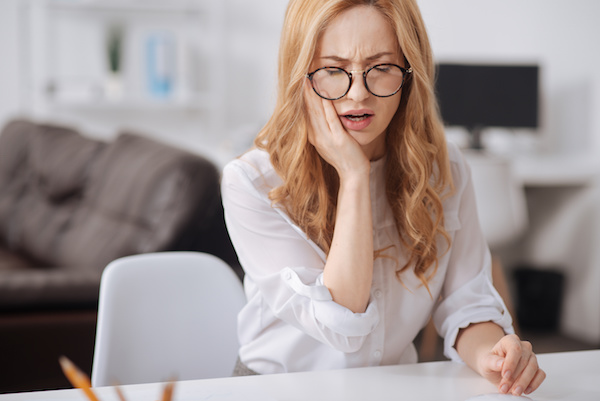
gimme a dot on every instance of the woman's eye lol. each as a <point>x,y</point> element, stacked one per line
<point>383,68</point>
<point>334,72</point>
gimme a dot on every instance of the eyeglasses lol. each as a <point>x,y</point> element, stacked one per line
<point>381,80</point>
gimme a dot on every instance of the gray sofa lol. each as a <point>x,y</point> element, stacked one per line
<point>69,205</point>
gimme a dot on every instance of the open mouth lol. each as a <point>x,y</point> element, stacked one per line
<point>357,117</point>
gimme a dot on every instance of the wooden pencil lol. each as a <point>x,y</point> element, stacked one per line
<point>120,393</point>
<point>77,378</point>
<point>168,392</point>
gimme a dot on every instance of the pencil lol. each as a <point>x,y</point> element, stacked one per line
<point>77,378</point>
<point>168,392</point>
<point>120,394</point>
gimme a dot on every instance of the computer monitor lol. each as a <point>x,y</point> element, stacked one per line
<point>476,96</point>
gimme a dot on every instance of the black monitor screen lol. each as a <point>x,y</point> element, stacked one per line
<point>488,95</point>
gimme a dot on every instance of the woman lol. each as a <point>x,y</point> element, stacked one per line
<point>353,220</point>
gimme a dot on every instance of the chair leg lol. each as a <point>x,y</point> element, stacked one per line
<point>429,343</point>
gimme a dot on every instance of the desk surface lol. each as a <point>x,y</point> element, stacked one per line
<point>557,169</point>
<point>573,376</point>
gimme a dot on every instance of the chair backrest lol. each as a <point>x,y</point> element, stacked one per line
<point>501,203</point>
<point>164,316</point>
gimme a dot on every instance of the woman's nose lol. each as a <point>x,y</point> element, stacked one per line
<point>358,91</point>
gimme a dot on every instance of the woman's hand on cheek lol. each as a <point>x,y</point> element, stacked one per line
<point>327,134</point>
<point>512,366</point>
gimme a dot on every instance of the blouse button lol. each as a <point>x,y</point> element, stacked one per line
<point>378,293</point>
<point>287,275</point>
<point>377,354</point>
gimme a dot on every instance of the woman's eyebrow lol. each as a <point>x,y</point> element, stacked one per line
<point>370,58</point>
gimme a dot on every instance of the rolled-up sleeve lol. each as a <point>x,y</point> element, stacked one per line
<point>468,295</point>
<point>284,268</point>
<point>475,302</point>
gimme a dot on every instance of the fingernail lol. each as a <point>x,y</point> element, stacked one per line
<point>506,374</point>
<point>518,390</point>
<point>499,363</point>
<point>504,389</point>
<point>528,390</point>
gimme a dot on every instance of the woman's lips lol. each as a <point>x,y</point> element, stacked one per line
<point>357,121</point>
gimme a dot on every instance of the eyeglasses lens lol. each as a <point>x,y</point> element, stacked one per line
<point>331,83</point>
<point>384,80</point>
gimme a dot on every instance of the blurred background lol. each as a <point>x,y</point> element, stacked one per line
<point>201,75</point>
<point>198,74</point>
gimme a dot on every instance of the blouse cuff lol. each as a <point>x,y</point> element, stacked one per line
<point>470,305</point>
<point>336,317</point>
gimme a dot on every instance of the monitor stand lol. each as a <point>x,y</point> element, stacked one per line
<point>475,134</point>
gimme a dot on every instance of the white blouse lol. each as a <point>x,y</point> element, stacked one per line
<point>291,323</point>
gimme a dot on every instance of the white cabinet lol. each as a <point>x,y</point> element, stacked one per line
<point>107,56</point>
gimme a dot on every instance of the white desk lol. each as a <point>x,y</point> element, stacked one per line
<point>557,170</point>
<point>572,376</point>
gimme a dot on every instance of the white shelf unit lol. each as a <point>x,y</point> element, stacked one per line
<point>66,54</point>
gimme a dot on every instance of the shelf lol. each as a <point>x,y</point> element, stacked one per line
<point>197,103</point>
<point>170,47</point>
<point>179,7</point>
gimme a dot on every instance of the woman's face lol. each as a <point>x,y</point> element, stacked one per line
<point>356,40</point>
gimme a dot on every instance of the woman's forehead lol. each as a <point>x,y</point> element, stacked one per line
<point>361,32</point>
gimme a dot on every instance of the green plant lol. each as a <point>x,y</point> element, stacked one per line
<point>114,47</point>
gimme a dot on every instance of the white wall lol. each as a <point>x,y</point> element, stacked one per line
<point>10,101</point>
<point>253,39</point>
<point>561,35</point>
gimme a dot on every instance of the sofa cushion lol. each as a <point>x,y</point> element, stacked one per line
<point>39,226</point>
<point>13,261</point>
<point>69,205</point>
<point>14,176</point>
<point>141,197</point>
<point>14,147</point>
<point>61,160</point>
<point>24,287</point>
<point>42,186</point>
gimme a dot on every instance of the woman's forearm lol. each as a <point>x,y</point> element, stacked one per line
<point>349,269</point>
<point>477,340</point>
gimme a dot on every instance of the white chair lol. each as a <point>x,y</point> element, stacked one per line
<point>164,316</point>
<point>501,203</point>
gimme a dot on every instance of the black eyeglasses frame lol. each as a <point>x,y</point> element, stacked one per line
<point>405,73</point>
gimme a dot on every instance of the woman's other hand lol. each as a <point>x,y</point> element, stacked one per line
<point>512,366</point>
<point>504,360</point>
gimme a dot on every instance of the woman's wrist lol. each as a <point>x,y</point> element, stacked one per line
<point>475,342</point>
<point>354,177</point>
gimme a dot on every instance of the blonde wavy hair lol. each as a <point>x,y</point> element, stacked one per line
<point>417,168</point>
